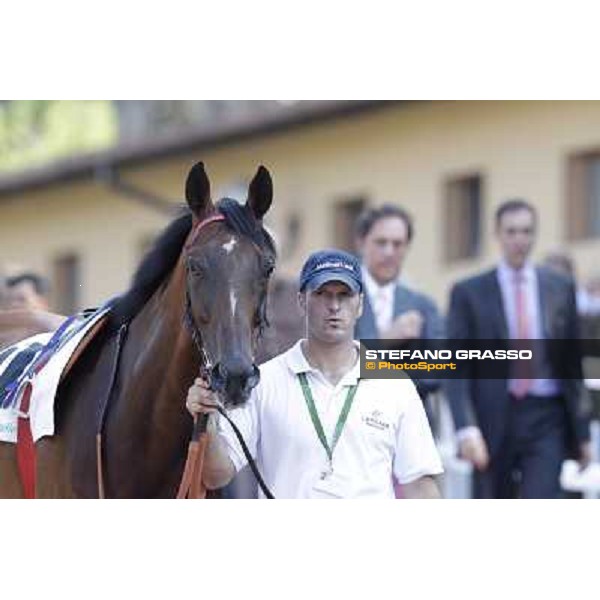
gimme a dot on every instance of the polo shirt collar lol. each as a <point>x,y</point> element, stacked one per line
<point>297,363</point>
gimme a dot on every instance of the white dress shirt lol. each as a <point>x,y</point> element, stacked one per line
<point>381,298</point>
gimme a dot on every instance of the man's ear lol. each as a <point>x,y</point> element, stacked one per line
<point>302,302</point>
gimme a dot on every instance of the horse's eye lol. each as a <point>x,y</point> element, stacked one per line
<point>194,268</point>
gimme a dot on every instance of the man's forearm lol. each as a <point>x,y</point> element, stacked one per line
<point>422,488</point>
<point>218,468</point>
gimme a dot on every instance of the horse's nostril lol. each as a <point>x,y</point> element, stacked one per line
<point>218,377</point>
<point>235,379</point>
<point>253,378</point>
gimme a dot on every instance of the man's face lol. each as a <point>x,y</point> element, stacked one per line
<point>516,234</point>
<point>331,312</point>
<point>23,295</point>
<point>383,249</point>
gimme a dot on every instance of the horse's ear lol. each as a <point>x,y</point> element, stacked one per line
<point>197,190</point>
<point>260,193</point>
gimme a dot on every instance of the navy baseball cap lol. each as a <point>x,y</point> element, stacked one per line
<point>331,265</point>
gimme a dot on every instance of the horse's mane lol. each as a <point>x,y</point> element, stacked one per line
<point>161,259</point>
<point>154,268</point>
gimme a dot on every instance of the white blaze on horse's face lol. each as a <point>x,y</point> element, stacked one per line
<point>233,300</point>
<point>230,245</point>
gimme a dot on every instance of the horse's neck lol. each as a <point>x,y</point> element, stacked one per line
<point>158,331</point>
<point>158,365</point>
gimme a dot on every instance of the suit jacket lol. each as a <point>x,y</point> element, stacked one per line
<point>406,299</point>
<point>477,312</point>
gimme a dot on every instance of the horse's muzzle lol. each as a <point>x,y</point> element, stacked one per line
<point>234,381</point>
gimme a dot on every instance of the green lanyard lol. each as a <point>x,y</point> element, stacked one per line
<point>312,409</point>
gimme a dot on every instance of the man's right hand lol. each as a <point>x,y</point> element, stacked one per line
<point>474,450</point>
<point>218,469</point>
<point>201,399</point>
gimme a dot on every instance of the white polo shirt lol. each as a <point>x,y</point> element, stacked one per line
<point>386,431</point>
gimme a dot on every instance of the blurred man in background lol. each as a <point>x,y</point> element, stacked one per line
<point>27,291</point>
<point>392,311</point>
<point>517,431</point>
<point>24,308</point>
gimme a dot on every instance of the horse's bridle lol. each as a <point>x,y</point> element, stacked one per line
<point>192,471</point>
<point>188,317</point>
<point>206,364</point>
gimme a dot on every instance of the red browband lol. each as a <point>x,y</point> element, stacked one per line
<point>199,226</point>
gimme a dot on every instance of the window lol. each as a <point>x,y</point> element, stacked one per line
<point>582,207</point>
<point>67,279</point>
<point>462,218</point>
<point>346,213</point>
<point>292,233</point>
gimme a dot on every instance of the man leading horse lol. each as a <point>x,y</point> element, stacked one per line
<point>316,429</point>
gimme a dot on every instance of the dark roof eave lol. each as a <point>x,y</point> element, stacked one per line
<point>84,166</point>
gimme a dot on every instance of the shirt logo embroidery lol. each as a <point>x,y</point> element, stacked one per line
<point>375,419</point>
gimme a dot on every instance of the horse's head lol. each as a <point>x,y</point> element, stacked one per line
<point>229,259</point>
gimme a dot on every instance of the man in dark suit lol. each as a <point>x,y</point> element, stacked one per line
<point>517,431</point>
<point>392,310</point>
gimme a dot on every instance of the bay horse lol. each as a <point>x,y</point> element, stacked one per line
<point>201,289</point>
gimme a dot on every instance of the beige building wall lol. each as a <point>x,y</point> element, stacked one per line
<point>402,153</point>
<point>105,231</point>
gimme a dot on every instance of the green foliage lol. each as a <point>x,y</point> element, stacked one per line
<point>34,132</point>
